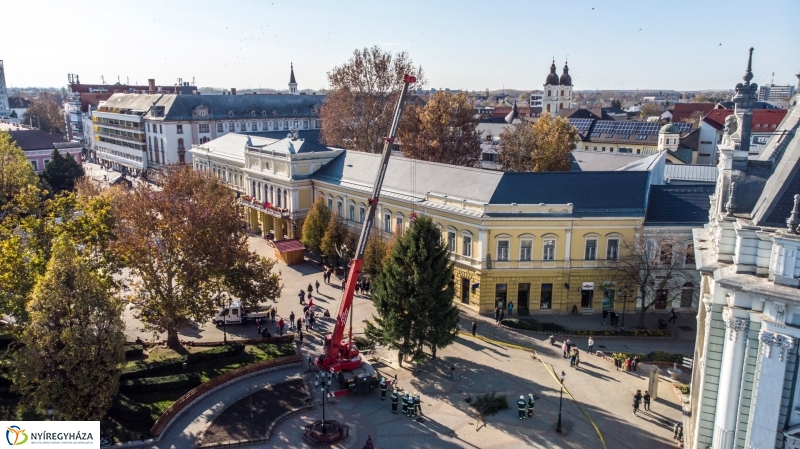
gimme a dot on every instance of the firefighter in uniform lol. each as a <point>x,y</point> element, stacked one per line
<point>521,406</point>
<point>411,411</point>
<point>383,388</point>
<point>404,398</point>
<point>394,401</point>
<point>409,405</point>
<point>530,404</point>
<point>417,404</point>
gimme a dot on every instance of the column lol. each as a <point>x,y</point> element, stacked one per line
<point>769,391</point>
<point>483,246</point>
<point>730,377</point>
<point>567,248</point>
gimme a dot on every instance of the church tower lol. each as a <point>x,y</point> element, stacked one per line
<point>292,82</point>
<point>557,93</point>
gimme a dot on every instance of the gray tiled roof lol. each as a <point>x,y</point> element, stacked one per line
<point>35,139</point>
<point>679,204</point>
<point>697,173</point>
<point>583,160</point>
<point>233,145</point>
<point>300,106</point>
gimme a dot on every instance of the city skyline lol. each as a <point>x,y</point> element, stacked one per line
<point>251,44</point>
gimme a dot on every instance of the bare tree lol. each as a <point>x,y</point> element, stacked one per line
<point>654,265</point>
<point>358,109</point>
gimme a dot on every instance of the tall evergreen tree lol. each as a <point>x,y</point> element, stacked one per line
<point>62,172</point>
<point>413,295</point>
<point>315,225</point>
<point>73,351</point>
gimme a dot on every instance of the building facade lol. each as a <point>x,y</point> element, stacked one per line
<point>4,108</point>
<point>557,94</point>
<point>772,92</point>
<point>38,147</point>
<point>527,238</point>
<point>744,390</point>
<point>763,125</point>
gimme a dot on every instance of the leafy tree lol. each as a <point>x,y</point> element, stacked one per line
<point>315,225</point>
<point>336,235</point>
<point>13,114</point>
<point>649,110</point>
<point>375,253</point>
<point>413,295</point>
<point>19,185</point>
<point>616,103</point>
<point>443,130</point>
<point>252,280</point>
<point>61,173</point>
<point>73,351</point>
<point>45,112</point>
<point>541,146</point>
<point>653,265</point>
<point>358,109</point>
<point>184,244</point>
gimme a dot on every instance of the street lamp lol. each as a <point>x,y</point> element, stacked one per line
<point>323,382</point>
<point>50,412</point>
<point>560,399</point>
<point>224,301</point>
<point>626,293</point>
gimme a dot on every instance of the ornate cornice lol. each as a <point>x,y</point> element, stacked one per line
<point>734,325</point>
<point>773,339</point>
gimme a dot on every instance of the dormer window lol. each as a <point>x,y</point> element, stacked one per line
<point>294,112</point>
<point>252,113</point>
<point>274,113</point>
<point>264,113</point>
<point>230,113</point>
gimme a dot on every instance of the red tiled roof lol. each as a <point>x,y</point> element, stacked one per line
<point>285,246</point>
<point>763,119</point>
<point>685,110</point>
<point>502,111</point>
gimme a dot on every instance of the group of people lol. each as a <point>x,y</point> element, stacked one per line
<point>638,398</point>
<point>524,407</point>
<point>612,315</point>
<point>411,403</point>
<point>363,287</point>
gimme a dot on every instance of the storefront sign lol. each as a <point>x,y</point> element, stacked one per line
<point>587,286</point>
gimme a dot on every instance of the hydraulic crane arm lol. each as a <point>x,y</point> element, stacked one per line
<point>340,355</point>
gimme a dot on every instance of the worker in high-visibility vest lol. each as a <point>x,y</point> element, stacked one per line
<point>383,388</point>
<point>521,404</point>
<point>395,400</point>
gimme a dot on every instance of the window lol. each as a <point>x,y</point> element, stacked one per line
<point>466,245</point>
<point>181,158</point>
<point>254,126</point>
<point>502,250</point>
<point>330,203</point>
<point>231,127</point>
<point>546,296</point>
<point>35,165</point>
<point>587,297</point>
<point>264,125</point>
<point>398,226</point>
<point>180,129</point>
<point>451,241</point>
<point>180,144</point>
<point>339,207</point>
<point>351,212</point>
<point>243,126</point>
<point>148,126</point>
<point>203,127</point>
<point>264,113</point>
<point>219,127</point>
<point>591,249</point>
<point>525,249</point>
<point>160,129</point>
<point>387,222</point>
<point>286,124</point>
<point>45,162</point>
<point>549,249</point>
<point>687,294</point>
<point>661,299</point>
<point>612,249</point>
<point>305,124</point>
<point>666,253</point>
<point>362,213</point>
<point>230,113</point>
<point>202,113</point>
<point>689,254</point>
<point>318,124</point>
<point>500,295</point>
<point>252,113</point>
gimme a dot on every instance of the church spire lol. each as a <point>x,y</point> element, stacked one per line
<point>292,81</point>
<point>748,74</point>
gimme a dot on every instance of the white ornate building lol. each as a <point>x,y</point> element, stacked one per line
<point>744,391</point>
<point>557,93</point>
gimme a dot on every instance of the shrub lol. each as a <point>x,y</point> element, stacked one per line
<point>162,383</point>
<point>362,342</point>
<point>490,403</point>
<point>133,352</point>
<point>172,365</point>
<point>127,409</point>
<point>684,389</point>
<point>655,356</point>
<point>220,352</point>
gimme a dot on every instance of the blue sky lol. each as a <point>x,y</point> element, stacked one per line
<point>465,44</point>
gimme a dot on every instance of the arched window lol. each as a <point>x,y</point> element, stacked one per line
<point>351,211</point>
<point>525,248</point>
<point>612,246</point>
<point>180,144</point>
<point>339,207</point>
<point>278,200</point>
<point>398,224</point>
<point>330,202</point>
<point>285,198</point>
<point>503,247</point>
<point>562,92</point>
<point>549,247</point>
<point>549,92</point>
<point>687,294</point>
<point>362,212</point>
<point>451,239</point>
<point>590,246</point>
<point>387,221</point>
<point>561,106</point>
<point>548,108</point>
<point>466,243</point>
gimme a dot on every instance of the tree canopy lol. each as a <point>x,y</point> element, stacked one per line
<point>413,293</point>
<point>443,130</point>
<point>336,235</point>
<point>19,184</point>
<point>363,91</point>
<point>185,244</point>
<point>73,350</point>
<point>61,173</point>
<point>45,113</point>
<point>541,146</point>
<point>315,225</point>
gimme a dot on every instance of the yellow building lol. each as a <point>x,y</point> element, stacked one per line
<point>545,241</point>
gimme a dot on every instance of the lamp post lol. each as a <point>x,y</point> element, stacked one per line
<point>224,301</point>
<point>560,399</point>
<point>50,412</point>
<point>626,293</point>
<point>323,382</point>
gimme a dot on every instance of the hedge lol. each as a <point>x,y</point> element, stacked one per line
<point>144,368</point>
<point>133,352</point>
<point>127,409</point>
<point>654,356</point>
<point>163,383</point>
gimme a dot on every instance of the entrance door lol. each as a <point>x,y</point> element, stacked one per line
<point>523,298</point>
<point>500,292</point>
<point>661,299</point>
<point>586,298</point>
<point>465,290</point>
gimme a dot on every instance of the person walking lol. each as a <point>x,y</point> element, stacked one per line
<point>628,363</point>
<point>635,363</point>
<point>605,315</point>
<point>344,284</point>
<point>300,336</point>
<point>510,308</point>
<point>531,403</point>
<point>673,317</point>
<point>474,327</point>
<point>636,399</point>
<point>646,399</point>
<point>273,311</point>
<point>521,404</point>
<point>310,288</point>
<point>590,343</point>
<point>258,323</point>
<point>383,388</point>
<point>565,348</point>
<point>291,321</point>
<point>311,320</point>
<point>395,401</point>
<point>302,296</point>
<point>316,284</point>
<point>300,324</point>
<point>308,322</point>
<point>571,360</point>
<point>577,354</point>
<point>280,327</point>
<point>496,314</point>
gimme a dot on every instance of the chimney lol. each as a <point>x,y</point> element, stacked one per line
<point>233,91</point>
<point>151,86</point>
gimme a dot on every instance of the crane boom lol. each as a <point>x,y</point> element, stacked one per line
<point>341,354</point>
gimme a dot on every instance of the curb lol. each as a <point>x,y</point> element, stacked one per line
<point>278,420</point>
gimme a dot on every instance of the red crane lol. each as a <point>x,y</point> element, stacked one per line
<point>342,355</point>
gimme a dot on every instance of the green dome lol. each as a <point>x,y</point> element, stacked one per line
<point>670,128</point>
